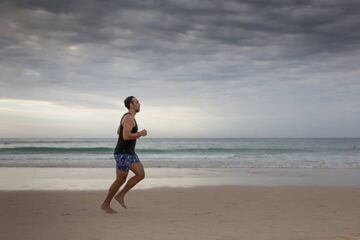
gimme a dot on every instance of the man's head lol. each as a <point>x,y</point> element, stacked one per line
<point>132,103</point>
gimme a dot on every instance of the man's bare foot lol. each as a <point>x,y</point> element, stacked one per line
<point>108,209</point>
<point>120,199</point>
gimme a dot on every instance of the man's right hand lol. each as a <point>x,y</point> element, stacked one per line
<point>143,133</point>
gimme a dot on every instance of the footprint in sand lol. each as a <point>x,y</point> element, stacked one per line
<point>356,235</point>
<point>353,236</point>
<point>202,213</point>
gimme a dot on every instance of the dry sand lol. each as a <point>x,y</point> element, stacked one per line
<point>217,212</point>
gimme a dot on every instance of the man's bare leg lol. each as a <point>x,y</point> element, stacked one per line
<point>138,169</point>
<point>120,179</point>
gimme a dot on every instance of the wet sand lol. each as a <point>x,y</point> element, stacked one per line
<point>101,178</point>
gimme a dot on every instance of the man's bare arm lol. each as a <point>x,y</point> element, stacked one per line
<point>128,125</point>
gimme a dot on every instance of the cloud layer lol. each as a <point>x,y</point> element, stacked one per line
<point>270,66</point>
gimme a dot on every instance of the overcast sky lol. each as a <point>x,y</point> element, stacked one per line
<point>253,68</point>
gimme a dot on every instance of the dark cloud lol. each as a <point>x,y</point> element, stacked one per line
<point>170,47</point>
<point>229,22</point>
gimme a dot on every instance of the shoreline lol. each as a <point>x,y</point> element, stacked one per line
<point>13,179</point>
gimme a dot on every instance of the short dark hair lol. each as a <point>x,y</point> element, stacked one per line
<point>127,101</point>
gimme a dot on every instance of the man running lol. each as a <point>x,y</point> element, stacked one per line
<point>125,155</point>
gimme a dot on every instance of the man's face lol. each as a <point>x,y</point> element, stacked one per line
<point>136,104</point>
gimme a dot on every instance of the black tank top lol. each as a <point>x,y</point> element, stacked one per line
<point>125,146</point>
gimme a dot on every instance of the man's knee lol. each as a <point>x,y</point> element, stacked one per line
<point>140,176</point>
<point>121,175</point>
<point>120,180</point>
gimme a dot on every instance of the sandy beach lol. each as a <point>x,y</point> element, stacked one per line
<point>216,212</point>
<point>223,204</point>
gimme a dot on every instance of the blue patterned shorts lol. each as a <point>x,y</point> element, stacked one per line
<point>123,161</point>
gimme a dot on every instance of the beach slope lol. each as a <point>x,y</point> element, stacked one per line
<point>218,212</point>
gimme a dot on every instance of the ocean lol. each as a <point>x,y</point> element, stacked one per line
<point>185,152</point>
